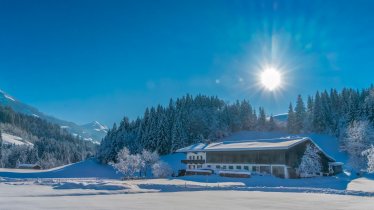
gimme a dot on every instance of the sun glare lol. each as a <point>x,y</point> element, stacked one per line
<point>271,79</point>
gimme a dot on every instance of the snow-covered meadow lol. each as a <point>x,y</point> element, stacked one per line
<point>174,194</point>
<point>90,185</point>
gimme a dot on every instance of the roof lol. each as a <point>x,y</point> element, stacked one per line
<point>245,145</point>
<point>27,165</point>
<point>251,145</point>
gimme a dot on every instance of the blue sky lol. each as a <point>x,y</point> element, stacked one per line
<point>101,60</point>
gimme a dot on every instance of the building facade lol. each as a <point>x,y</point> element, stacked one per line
<point>278,157</point>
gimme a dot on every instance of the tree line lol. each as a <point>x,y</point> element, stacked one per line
<point>184,121</point>
<point>50,146</point>
<point>348,115</point>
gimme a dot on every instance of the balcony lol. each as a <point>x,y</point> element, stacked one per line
<point>193,161</point>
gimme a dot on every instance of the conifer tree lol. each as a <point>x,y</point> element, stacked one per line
<point>261,119</point>
<point>291,119</point>
<point>271,125</point>
<point>300,115</point>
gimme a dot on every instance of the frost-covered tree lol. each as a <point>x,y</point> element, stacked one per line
<point>149,159</point>
<point>359,136</point>
<point>128,164</point>
<point>161,170</point>
<point>310,164</point>
<point>369,154</point>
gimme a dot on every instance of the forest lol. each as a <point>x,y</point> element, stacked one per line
<point>348,115</point>
<point>185,121</point>
<point>48,144</point>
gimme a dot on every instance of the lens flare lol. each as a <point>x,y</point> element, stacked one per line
<point>271,78</point>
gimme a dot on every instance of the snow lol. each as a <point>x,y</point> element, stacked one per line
<point>362,184</point>
<point>7,96</point>
<point>85,169</point>
<point>329,144</point>
<point>199,170</point>
<point>100,126</point>
<point>235,172</point>
<point>194,147</point>
<point>11,139</point>
<point>174,160</point>
<point>259,144</point>
<point>89,184</point>
<point>281,117</point>
<point>163,194</point>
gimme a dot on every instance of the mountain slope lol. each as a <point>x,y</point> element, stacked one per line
<point>89,131</point>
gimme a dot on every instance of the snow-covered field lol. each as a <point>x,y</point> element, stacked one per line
<point>11,139</point>
<point>90,185</point>
<point>162,194</point>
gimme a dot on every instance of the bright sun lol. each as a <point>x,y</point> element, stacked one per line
<point>270,78</point>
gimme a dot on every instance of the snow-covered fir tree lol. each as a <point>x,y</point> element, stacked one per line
<point>185,121</point>
<point>310,164</point>
<point>52,146</point>
<point>291,119</point>
<point>300,116</point>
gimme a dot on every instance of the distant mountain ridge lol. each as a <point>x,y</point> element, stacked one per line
<point>93,131</point>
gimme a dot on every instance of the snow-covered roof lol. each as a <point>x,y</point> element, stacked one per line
<point>27,165</point>
<point>244,145</point>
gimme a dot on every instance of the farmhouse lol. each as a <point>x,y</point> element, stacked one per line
<point>278,157</point>
<point>28,166</point>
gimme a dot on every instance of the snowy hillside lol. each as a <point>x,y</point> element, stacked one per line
<point>11,139</point>
<point>92,131</point>
<point>96,130</point>
<point>281,117</point>
<point>85,169</point>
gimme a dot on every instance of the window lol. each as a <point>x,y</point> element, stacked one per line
<point>218,166</point>
<point>199,166</point>
<point>246,168</point>
<point>265,169</point>
<point>190,157</point>
<point>223,167</point>
<point>239,167</point>
<point>193,157</point>
<point>231,167</point>
<point>209,166</point>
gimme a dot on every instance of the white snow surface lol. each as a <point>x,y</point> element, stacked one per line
<point>243,144</point>
<point>90,185</point>
<point>329,144</point>
<point>164,194</point>
<point>7,96</point>
<point>11,139</point>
